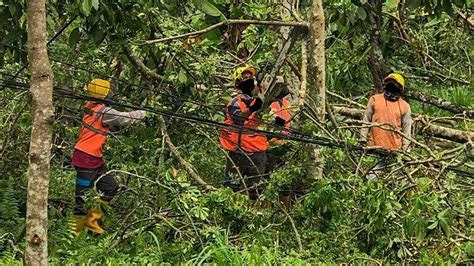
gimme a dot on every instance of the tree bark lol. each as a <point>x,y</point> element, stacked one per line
<point>317,89</point>
<point>142,68</point>
<point>40,146</point>
<point>293,80</point>
<point>375,62</point>
<point>304,74</point>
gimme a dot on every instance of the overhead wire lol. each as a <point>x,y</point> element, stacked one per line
<point>200,104</point>
<point>292,136</point>
<point>211,111</point>
<point>296,136</point>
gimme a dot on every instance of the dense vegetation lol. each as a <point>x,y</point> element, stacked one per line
<point>162,214</point>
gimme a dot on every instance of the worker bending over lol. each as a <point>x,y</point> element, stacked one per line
<point>87,157</point>
<point>246,149</point>
<point>388,110</point>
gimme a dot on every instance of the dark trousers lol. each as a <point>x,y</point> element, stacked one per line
<point>274,161</point>
<point>252,168</point>
<point>94,178</point>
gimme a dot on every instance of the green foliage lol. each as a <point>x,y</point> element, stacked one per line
<point>160,214</point>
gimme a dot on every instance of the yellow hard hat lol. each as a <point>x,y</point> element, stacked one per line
<point>98,88</point>
<point>399,79</point>
<point>237,75</point>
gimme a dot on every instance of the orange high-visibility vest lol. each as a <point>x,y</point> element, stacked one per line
<point>239,138</point>
<point>93,133</point>
<point>387,112</point>
<point>281,108</point>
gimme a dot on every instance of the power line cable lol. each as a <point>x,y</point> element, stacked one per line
<point>295,137</point>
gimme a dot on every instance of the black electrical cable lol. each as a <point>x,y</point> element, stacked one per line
<point>299,138</point>
<point>271,125</point>
<point>218,112</point>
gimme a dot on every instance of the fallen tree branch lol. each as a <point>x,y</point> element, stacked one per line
<point>467,20</point>
<point>141,67</point>
<point>440,103</point>
<point>186,165</point>
<point>227,22</point>
<point>269,80</point>
<point>455,135</point>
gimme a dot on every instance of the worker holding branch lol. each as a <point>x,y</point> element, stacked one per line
<point>246,148</point>
<point>87,157</point>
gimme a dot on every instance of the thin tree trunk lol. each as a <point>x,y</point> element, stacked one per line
<point>304,74</point>
<point>40,145</point>
<point>317,89</point>
<point>292,79</point>
<point>375,61</point>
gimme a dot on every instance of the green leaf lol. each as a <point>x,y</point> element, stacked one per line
<point>213,35</point>
<point>433,225</point>
<point>420,233</point>
<point>86,7</point>
<point>74,37</point>
<point>95,4</point>
<point>12,9</point>
<point>182,77</point>
<point>445,227</point>
<point>361,13</point>
<point>433,22</point>
<point>391,4</point>
<point>207,8</point>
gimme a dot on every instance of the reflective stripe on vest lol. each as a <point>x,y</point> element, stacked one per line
<point>391,113</point>
<point>93,133</point>
<point>237,138</point>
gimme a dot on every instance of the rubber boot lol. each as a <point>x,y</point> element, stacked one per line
<point>92,219</point>
<point>79,224</point>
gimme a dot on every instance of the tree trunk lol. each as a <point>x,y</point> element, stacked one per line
<point>40,146</point>
<point>292,79</point>
<point>375,62</point>
<point>304,74</point>
<point>317,89</point>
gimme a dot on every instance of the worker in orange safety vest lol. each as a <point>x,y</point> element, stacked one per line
<point>388,114</point>
<point>280,111</point>
<point>246,149</point>
<point>87,157</point>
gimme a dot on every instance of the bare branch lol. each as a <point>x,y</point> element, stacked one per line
<point>141,67</point>
<point>302,25</point>
<point>187,166</point>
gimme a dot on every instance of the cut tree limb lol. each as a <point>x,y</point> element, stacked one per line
<point>269,79</point>
<point>451,134</point>
<point>186,165</point>
<point>468,21</point>
<point>440,103</point>
<point>302,25</point>
<point>141,66</point>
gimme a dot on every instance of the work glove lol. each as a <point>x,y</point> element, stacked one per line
<point>138,115</point>
<point>257,105</point>
<point>280,121</point>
